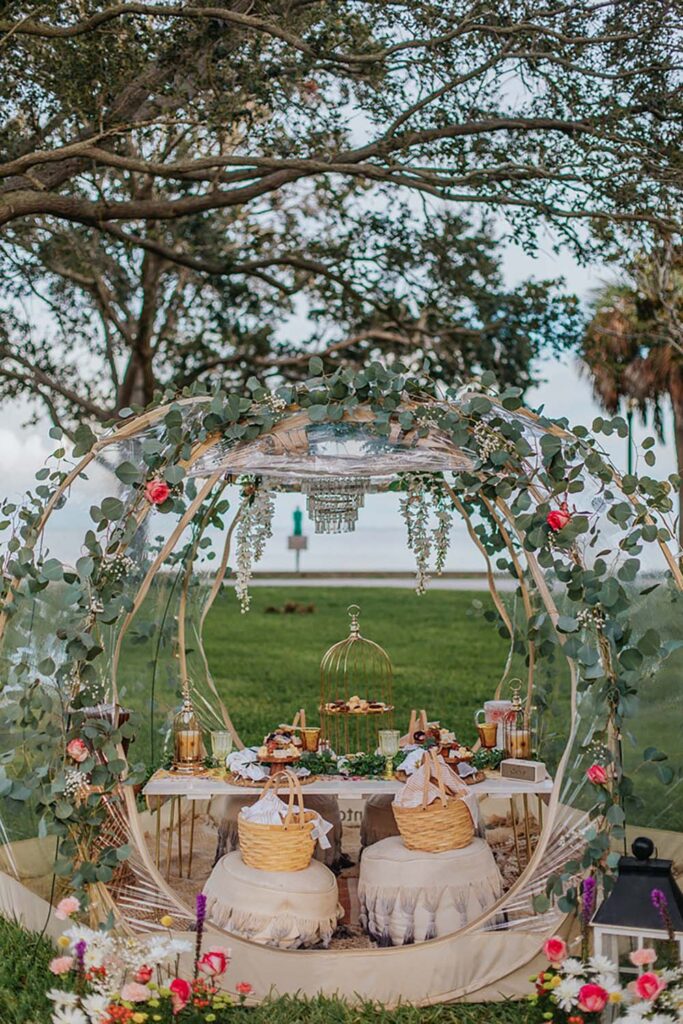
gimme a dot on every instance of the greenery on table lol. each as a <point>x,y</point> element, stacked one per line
<point>483,759</point>
<point>367,765</point>
<point>319,763</point>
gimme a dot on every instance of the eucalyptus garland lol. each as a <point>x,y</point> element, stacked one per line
<point>527,471</point>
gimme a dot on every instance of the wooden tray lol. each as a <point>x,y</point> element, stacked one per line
<point>235,780</point>
<point>357,714</point>
<point>470,780</point>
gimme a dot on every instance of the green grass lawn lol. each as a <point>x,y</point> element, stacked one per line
<point>266,665</point>
<point>445,658</point>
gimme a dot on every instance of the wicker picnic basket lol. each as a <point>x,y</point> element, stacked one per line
<point>285,847</point>
<point>445,824</point>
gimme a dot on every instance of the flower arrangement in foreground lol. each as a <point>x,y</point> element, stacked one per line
<point>115,979</point>
<point>574,991</point>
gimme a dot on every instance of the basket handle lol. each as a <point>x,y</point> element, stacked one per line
<point>433,768</point>
<point>274,782</point>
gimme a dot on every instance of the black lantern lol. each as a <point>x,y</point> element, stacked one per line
<point>629,918</point>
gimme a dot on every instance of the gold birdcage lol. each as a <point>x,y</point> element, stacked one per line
<point>356,692</point>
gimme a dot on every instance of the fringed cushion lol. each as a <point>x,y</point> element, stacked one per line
<point>410,896</point>
<point>290,910</point>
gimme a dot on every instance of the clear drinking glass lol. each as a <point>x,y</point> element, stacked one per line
<point>388,741</point>
<point>221,744</point>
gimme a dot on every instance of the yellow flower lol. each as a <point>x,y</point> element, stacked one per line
<point>63,942</point>
<point>615,997</point>
<point>139,1018</point>
<point>166,920</point>
<point>554,982</point>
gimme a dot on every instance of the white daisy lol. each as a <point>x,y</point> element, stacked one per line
<point>572,967</point>
<point>635,1013</point>
<point>602,965</point>
<point>607,981</point>
<point>69,1015</point>
<point>662,1018</point>
<point>96,1008</point>
<point>57,995</point>
<point>566,993</point>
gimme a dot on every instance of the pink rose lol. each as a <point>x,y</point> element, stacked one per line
<point>642,957</point>
<point>214,962</point>
<point>244,988</point>
<point>143,975</point>
<point>558,517</point>
<point>66,907</point>
<point>181,992</point>
<point>592,998</point>
<point>597,775</point>
<point>157,491</point>
<point>77,750</point>
<point>133,992</point>
<point>555,949</point>
<point>649,985</point>
<point>61,964</point>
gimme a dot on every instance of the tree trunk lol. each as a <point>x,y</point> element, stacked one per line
<point>677,405</point>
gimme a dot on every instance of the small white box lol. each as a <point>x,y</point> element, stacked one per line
<point>522,771</point>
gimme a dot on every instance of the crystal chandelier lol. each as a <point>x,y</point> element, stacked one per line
<point>333,502</point>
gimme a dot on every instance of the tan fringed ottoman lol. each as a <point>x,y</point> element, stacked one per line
<point>378,821</point>
<point>288,909</point>
<point>409,896</point>
<point>225,809</point>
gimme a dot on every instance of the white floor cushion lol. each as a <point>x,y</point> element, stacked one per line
<point>288,909</point>
<point>410,896</point>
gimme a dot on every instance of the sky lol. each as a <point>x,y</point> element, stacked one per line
<point>378,543</point>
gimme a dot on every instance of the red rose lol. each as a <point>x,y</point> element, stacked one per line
<point>649,985</point>
<point>181,992</point>
<point>143,975</point>
<point>597,775</point>
<point>593,998</point>
<point>77,750</point>
<point>214,962</point>
<point>559,517</point>
<point>244,988</point>
<point>157,491</point>
<point>556,950</point>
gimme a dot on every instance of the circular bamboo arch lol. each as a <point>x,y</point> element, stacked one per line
<point>379,974</point>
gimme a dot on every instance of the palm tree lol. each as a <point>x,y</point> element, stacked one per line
<point>632,347</point>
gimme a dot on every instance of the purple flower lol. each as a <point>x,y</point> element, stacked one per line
<point>588,893</point>
<point>200,918</point>
<point>79,951</point>
<point>201,909</point>
<point>659,900</point>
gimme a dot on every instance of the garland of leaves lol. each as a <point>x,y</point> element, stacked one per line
<point>528,481</point>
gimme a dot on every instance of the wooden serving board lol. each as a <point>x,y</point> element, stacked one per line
<point>236,780</point>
